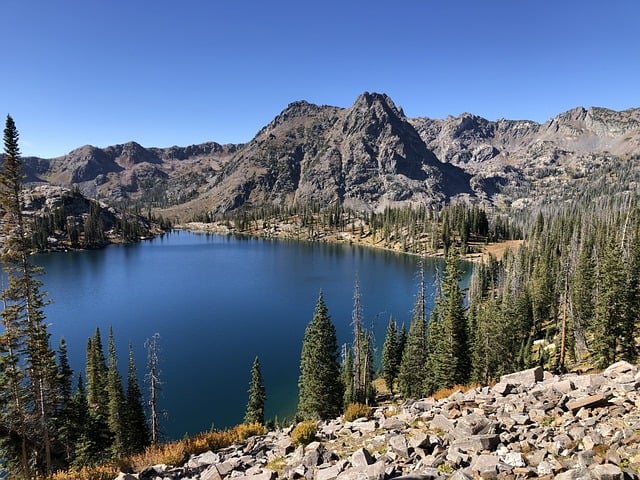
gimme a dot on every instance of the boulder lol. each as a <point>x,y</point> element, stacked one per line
<point>589,401</point>
<point>477,443</point>
<point>526,377</point>
<point>398,444</point>
<point>486,466</point>
<point>606,471</point>
<point>361,458</point>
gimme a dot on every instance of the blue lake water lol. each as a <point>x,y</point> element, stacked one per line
<point>217,302</point>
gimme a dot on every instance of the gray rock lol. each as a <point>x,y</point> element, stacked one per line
<point>361,458</point>
<point>503,388</point>
<point>126,476</point>
<point>418,439</point>
<point>619,368</point>
<point>284,445</point>
<point>330,472</point>
<point>485,465</point>
<point>477,443</point>
<point>590,401</point>
<point>210,473</point>
<point>370,472</point>
<point>398,444</point>
<point>574,474</point>
<point>564,386</point>
<point>474,424</point>
<point>514,459</point>
<point>440,422</point>
<point>394,424</point>
<point>265,475</point>
<point>525,377</point>
<point>606,472</point>
<point>206,458</point>
<point>226,467</point>
<point>460,475</point>
<point>364,426</point>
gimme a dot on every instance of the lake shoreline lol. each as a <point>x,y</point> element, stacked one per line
<point>287,232</point>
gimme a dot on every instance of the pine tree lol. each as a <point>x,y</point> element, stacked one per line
<point>257,396</point>
<point>449,362</point>
<point>30,362</point>
<point>347,375</point>
<point>582,295</point>
<point>390,357</point>
<point>116,404</point>
<point>65,373</point>
<point>137,429</point>
<point>63,412</point>
<point>320,388</point>
<point>76,422</point>
<point>96,375</point>
<point>411,374</point>
<point>610,328</point>
<point>153,378</point>
<point>632,300</point>
<point>97,439</point>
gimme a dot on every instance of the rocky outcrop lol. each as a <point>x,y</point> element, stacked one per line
<point>58,217</point>
<point>530,425</point>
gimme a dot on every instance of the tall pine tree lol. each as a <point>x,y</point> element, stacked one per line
<point>411,374</point>
<point>449,362</point>
<point>257,396</point>
<point>116,404</point>
<point>137,429</point>
<point>28,370</point>
<point>390,357</point>
<point>320,386</point>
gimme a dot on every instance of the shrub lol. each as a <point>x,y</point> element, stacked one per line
<point>356,410</point>
<point>304,433</point>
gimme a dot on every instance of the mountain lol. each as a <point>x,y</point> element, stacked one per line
<point>367,156</point>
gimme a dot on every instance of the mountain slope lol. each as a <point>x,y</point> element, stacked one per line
<point>367,156</point>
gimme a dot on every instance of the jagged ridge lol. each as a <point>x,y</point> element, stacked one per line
<point>368,156</point>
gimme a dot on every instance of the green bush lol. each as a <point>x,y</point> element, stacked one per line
<point>356,410</point>
<point>304,433</point>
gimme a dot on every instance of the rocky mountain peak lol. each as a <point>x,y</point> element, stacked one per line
<point>295,110</point>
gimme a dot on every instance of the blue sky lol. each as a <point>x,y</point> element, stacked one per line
<point>163,73</point>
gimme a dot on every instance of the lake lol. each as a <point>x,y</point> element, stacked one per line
<point>217,303</point>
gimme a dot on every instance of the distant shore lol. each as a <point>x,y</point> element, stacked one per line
<point>287,231</point>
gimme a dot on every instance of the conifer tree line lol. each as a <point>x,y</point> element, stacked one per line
<point>457,225</point>
<point>432,354</point>
<point>45,423</point>
<point>568,297</point>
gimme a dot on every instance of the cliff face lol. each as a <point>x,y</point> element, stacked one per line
<point>367,156</point>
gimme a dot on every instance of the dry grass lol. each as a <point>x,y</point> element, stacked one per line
<point>100,472</point>
<point>174,453</point>
<point>356,410</point>
<point>447,392</point>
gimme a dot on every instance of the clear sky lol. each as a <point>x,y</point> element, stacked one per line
<point>179,72</point>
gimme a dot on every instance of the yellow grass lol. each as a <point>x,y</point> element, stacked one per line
<point>174,453</point>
